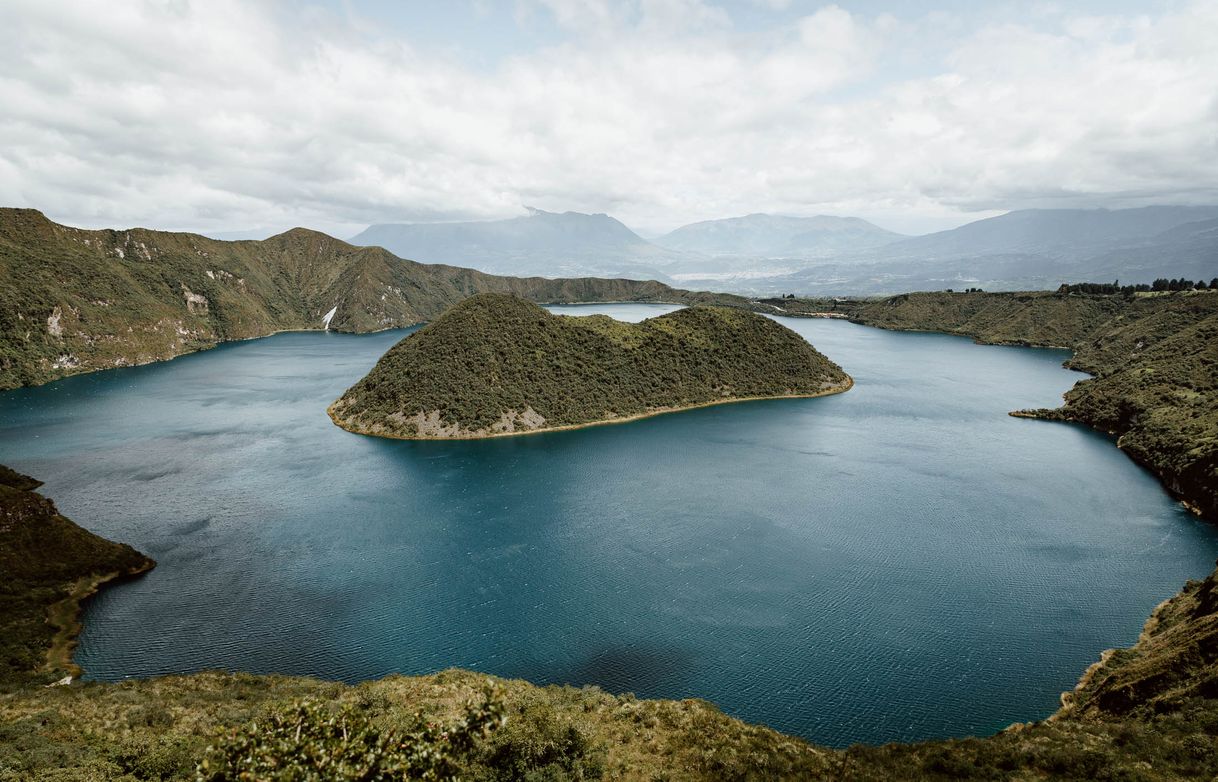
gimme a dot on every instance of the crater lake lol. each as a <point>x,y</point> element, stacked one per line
<point>899,562</point>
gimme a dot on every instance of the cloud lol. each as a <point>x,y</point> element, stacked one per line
<point>225,115</point>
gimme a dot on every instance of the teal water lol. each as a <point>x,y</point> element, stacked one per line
<point>898,562</point>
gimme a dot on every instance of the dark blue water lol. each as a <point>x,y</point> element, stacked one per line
<point>898,562</point>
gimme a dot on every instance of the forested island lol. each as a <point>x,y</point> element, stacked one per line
<point>499,365</point>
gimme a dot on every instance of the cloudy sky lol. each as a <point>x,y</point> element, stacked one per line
<point>219,115</point>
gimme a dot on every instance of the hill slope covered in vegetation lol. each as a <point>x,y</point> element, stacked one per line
<point>49,565</point>
<point>497,364</point>
<point>73,300</point>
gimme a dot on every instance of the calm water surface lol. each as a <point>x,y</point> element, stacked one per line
<point>899,562</point>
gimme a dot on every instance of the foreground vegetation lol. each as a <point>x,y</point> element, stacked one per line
<point>497,364</point>
<point>75,301</point>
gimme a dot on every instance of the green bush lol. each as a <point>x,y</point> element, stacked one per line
<point>310,741</point>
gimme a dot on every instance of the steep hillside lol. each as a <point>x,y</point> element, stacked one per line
<point>498,364</point>
<point>49,565</point>
<point>74,301</point>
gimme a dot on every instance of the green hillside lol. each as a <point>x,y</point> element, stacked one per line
<point>497,364</point>
<point>48,564</point>
<point>73,300</point>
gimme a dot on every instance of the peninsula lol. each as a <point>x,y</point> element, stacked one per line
<point>499,365</point>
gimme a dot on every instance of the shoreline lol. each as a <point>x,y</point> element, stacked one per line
<point>64,616</point>
<point>605,422</point>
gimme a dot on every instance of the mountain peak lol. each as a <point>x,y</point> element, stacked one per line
<point>768,235</point>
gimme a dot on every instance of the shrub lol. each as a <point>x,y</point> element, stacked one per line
<point>310,740</point>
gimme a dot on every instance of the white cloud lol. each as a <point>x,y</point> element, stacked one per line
<point>224,115</point>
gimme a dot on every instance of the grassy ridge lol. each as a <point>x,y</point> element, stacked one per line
<point>74,301</point>
<point>499,364</point>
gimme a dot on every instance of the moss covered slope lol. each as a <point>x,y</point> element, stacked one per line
<point>48,564</point>
<point>497,364</point>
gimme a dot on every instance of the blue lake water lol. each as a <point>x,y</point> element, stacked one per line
<point>898,562</point>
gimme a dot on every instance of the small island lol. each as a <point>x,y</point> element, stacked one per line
<point>496,365</point>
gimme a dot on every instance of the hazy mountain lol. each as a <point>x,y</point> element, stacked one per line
<point>1189,251</point>
<point>1026,250</point>
<point>778,236</point>
<point>541,243</point>
<point>1053,232</point>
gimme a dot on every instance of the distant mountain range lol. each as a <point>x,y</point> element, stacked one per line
<point>767,254</point>
<point>541,243</point>
<point>778,236</point>
<point>1022,250</point>
<point>1051,232</point>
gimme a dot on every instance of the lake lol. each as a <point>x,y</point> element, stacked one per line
<point>898,562</point>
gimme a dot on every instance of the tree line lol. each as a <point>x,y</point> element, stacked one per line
<point>1161,284</point>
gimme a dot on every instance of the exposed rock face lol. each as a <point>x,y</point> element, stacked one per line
<point>53,326</point>
<point>195,303</point>
<point>498,365</point>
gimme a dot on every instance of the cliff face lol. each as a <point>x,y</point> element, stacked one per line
<point>498,364</point>
<point>74,301</point>
<point>49,565</point>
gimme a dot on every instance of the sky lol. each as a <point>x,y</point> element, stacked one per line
<point>224,116</point>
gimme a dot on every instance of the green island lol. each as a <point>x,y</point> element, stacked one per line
<point>497,365</point>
